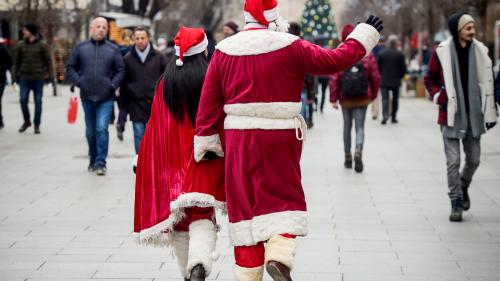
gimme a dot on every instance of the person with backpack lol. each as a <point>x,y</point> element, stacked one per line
<point>355,88</point>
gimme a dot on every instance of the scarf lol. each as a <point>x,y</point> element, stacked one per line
<point>143,55</point>
<point>469,117</point>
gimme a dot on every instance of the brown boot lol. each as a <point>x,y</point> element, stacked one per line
<point>25,126</point>
<point>278,271</point>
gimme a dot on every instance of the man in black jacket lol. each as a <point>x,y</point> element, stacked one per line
<point>96,67</point>
<point>143,66</point>
<point>5,64</point>
<point>392,66</point>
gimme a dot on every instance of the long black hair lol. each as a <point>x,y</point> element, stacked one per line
<point>182,86</point>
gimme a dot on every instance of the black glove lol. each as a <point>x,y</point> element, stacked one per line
<point>375,22</point>
<point>490,125</point>
<point>72,88</point>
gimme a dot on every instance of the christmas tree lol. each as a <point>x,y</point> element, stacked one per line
<point>317,21</point>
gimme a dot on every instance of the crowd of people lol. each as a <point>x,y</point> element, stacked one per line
<point>214,125</point>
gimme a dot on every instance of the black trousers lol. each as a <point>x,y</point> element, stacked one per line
<point>2,88</point>
<point>385,101</point>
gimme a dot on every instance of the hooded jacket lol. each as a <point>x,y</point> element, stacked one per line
<point>440,84</point>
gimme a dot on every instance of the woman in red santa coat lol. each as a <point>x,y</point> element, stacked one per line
<point>253,87</point>
<point>175,197</point>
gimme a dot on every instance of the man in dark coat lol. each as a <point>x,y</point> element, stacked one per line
<point>392,66</point>
<point>96,67</point>
<point>143,67</point>
<point>5,64</point>
<point>31,64</point>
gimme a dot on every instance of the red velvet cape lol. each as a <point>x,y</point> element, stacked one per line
<point>167,177</point>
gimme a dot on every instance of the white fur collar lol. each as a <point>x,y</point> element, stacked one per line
<point>255,42</point>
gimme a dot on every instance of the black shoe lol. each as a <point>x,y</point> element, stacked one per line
<point>358,162</point>
<point>394,121</point>
<point>465,190</point>
<point>119,132</point>
<point>456,210</point>
<point>100,171</point>
<point>374,117</point>
<point>37,129</point>
<point>278,271</point>
<point>384,121</point>
<point>198,273</point>
<point>348,161</point>
<point>1,126</point>
<point>309,124</point>
<point>24,126</point>
<point>91,168</point>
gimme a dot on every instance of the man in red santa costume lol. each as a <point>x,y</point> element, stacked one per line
<point>253,87</point>
<point>175,197</point>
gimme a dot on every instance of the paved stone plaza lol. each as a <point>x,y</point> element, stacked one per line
<point>58,222</point>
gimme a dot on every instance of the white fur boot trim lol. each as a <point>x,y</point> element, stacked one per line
<point>248,274</point>
<point>202,237</point>
<point>281,249</point>
<point>180,243</point>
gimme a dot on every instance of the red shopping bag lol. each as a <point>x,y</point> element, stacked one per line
<point>72,109</point>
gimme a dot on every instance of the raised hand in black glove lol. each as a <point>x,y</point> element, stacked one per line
<point>375,22</point>
<point>490,125</point>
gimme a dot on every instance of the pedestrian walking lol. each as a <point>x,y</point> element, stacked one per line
<point>392,66</point>
<point>32,65</point>
<point>375,105</point>
<point>125,47</point>
<point>143,66</point>
<point>460,81</point>
<point>5,65</point>
<point>176,197</point>
<point>252,89</point>
<point>96,67</point>
<point>323,83</point>
<point>355,88</point>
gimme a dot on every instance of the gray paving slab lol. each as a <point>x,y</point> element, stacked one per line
<point>58,222</point>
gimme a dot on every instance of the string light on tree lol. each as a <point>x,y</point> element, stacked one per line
<point>317,20</point>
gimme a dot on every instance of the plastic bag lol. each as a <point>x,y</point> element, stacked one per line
<point>72,109</point>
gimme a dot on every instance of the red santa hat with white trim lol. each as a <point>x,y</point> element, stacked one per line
<point>189,42</point>
<point>261,11</point>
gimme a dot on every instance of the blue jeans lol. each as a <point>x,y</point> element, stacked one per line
<point>358,114</point>
<point>97,115</point>
<point>139,129</point>
<point>307,109</point>
<point>25,87</point>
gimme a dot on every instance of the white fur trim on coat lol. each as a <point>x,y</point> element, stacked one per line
<point>180,243</point>
<point>261,228</point>
<point>160,235</point>
<point>485,77</point>
<point>255,42</point>
<point>365,34</point>
<point>436,97</point>
<point>264,109</point>
<point>203,144</point>
<point>281,249</point>
<point>202,237</point>
<point>248,274</point>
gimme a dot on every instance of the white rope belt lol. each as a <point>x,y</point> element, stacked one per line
<point>238,122</point>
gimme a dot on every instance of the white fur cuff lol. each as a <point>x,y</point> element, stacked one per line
<point>436,97</point>
<point>281,249</point>
<point>207,143</point>
<point>248,274</point>
<point>365,34</point>
<point>180,243</point>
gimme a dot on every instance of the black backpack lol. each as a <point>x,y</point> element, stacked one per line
<point>354,82</point>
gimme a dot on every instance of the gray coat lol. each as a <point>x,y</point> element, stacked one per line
<point>97,68</point>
